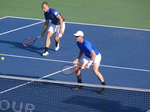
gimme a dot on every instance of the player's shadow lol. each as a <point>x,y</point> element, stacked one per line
<point>100,103</point>
<point>20,46</point>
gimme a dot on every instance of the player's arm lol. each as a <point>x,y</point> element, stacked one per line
<point>79,56</point>
<point>45,27</point>
<point>61,23</point>
<point>91,59</point>
<point>93,55</point>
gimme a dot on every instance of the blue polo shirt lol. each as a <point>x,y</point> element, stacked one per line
<point>52,15</point>
<point>87,47</point>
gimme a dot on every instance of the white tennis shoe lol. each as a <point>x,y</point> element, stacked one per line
<point>45,53</point>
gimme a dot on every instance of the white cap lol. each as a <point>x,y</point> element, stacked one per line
<point>79,33</point>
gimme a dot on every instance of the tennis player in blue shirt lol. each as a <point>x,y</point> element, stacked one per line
<point>91,56</point>
<point>57,26</point>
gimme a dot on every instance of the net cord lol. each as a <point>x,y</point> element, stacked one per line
<point>73,83</point>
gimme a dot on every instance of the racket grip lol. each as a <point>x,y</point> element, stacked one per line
<point>38,36</point>
<point>76,68</point>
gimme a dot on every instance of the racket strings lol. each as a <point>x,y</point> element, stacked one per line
<point>67,69</point>
<point>28,41</point>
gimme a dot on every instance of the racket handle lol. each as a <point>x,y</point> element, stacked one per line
<point>76,68</point>
<point>38,36</point>
<point>76,65</point>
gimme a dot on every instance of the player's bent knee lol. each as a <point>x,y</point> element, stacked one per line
<point>49,34</point>
<point>95,71</point>
<point>57,39</point>
<point>77,72</point>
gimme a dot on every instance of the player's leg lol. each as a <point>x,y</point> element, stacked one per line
<point>47,43</point>
<point>50,32</point>
<point>98,74</point>
<point>78,75</point>
<point>57,43</point>
<point>96,65</point>
<point>58,36</point>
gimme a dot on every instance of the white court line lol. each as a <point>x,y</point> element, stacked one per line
<point>110,26</point>
<point>15,87</point>
<point>87,24</point>
<point>21,28</point>
<point>108,66</point>
<point>126,68</point>
<point>3,17</point>
<point>16,56</point>
<point>23,18</point>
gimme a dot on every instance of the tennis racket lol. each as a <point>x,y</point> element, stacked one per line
<point>69,69</point>
<point>29,41</point>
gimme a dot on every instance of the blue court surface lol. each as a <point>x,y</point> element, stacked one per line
<point>125,63</point>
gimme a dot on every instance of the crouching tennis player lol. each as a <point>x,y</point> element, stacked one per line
<point>91,56</point>
<point>57,26</point>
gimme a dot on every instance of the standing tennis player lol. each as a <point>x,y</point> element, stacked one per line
<point>91,56</point>
<point>57,27</point>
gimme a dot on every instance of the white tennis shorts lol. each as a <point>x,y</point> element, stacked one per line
<point>55,29</point>
<point>98,57</point>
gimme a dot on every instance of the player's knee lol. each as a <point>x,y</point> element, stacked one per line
<point>95,71</point>
<point>78,73</point>
<point>57,39</point>
<point>49,34</point>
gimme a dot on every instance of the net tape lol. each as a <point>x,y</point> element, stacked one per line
<point>31,80</point>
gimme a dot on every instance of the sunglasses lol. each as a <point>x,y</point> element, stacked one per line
<point>76,36</point>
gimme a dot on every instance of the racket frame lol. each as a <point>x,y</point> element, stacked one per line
<point>71,66</point>
<point>34,39</point>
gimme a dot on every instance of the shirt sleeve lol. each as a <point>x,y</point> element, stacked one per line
<point>56,13</point>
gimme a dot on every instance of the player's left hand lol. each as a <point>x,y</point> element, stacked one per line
<point>75,61</point>
<point>42,35</point>
<point>87,67</point>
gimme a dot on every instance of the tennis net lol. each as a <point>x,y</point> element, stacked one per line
<point>18,94</point>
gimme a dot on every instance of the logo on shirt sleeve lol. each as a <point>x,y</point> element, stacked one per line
<point>56,13</point>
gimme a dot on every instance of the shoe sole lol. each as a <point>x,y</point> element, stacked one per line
<point>45,55</point>
<point>56,49</point>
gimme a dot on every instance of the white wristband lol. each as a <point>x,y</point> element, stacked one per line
<point>90,62</point>
<point>59,35</point>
